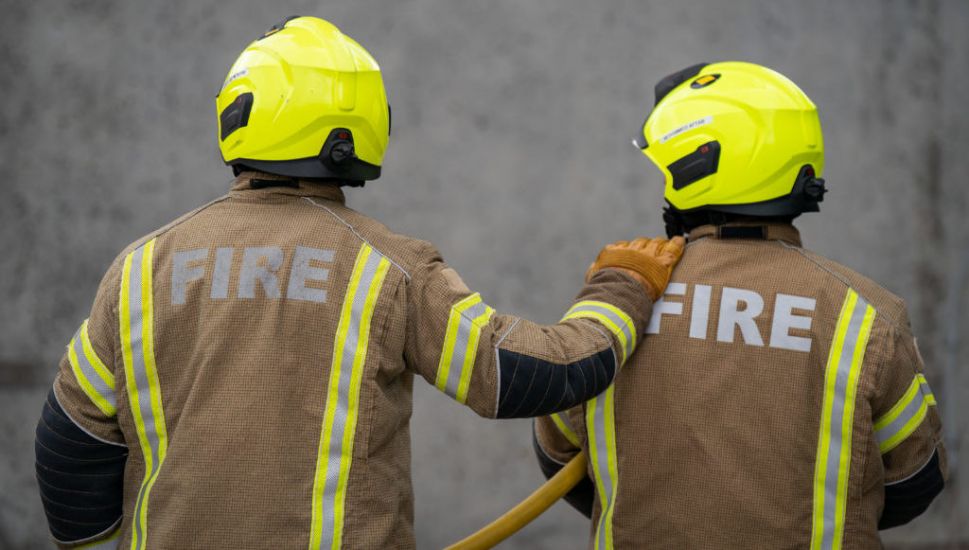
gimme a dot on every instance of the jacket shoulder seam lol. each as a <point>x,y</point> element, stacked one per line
<point>171,225</point>
<point>357,234</point>
<point>840,278</point>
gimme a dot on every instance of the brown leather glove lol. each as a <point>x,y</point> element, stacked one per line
<point>649,261</point>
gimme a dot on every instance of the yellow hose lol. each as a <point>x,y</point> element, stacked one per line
<point>527,510</point>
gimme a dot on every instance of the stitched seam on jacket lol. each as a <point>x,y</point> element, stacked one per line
<point>357,234</point>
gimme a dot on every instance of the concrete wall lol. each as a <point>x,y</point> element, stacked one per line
<point>510,151</point>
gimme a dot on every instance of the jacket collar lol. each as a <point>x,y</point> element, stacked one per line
<point>750,230</point>
<point>251,183</point>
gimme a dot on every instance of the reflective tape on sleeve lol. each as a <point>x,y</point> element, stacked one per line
<point>926,390</point>
<point>833,462</point>
<point>110,543</point>
<point>561,421</point>
<point>905,416</point>
<point>91,373</point>
<point>614,319</point>
<point>335,453</point>
<point>465,322</point>
<point>136,319</point>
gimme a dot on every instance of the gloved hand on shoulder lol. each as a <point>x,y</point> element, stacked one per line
<point>649,261</point>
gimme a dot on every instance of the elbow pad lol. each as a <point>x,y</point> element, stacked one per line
<point>907,499</point>
<point>534,387</point>
<point>80,477</point>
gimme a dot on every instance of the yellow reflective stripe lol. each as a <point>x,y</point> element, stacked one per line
<point>450,338</point>
<point>626,319</point>
<point>565,429</point>
<point>335,453</point>
<point>616,320</point>
<point>93,358</point>
<point>465,322</point>
<point>97,386</point>
<point>472,350</point>
<point>613,463</point>
<point>893,413</point>
<point>929,396</point>
<point>109,543</point>
<point>154,386</point>
<point>136,320</point>
<point>124,318</point>
<point>847,423</point>
<point>910,426</point>
<point>905,416</point>
<point>820,470</point>
<point>354,400</point>
<point>833,463</point>
<point>601,426</point>
<point>594,451</point>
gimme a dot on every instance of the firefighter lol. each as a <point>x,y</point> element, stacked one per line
<point>785,403</point>
<point>244,378</point>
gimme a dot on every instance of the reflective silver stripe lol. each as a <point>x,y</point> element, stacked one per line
<point>110,543</point>
<point>465,326</point>
<point>92,376</point>
<point>926,390</point>
<point>623,325</point>
<point>601,427</point>
<point>344,417</point>
<point>139,358</point>
<point>838,405</point>
<point>141,382</point>
<point>911,410</point>
<point>602,458</point>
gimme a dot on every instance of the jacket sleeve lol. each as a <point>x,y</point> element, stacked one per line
<point>503,366</point>
<point>908,431</point>
<point>557,438</point>
<point>80,451</point>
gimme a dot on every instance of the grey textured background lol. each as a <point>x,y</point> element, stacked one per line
<point>510,151</point>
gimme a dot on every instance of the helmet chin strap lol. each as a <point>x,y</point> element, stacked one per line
<point>674,222</point>
<point>679,223</point>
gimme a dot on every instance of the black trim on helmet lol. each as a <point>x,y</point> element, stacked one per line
<point>666,85</point>
<point>806,194</point>
<point>278,26</point>
<point>235,115</point>
<point>312,168</point>
<point>697,165</point>
<point>661,90</point>
<point>337,160</point>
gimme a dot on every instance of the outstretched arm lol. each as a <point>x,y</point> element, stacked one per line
<point>504,366</point>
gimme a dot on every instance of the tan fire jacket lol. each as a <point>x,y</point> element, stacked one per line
<point>778,401</point>
<point>256,357</point>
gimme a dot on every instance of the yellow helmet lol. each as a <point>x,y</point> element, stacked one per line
<point>306,101</point>
<point>735,138</point>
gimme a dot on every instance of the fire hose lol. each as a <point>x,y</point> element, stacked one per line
<point>527,510</point>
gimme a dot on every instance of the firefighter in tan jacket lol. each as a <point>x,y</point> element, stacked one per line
<point>780,399</point>
<point>244,378</point>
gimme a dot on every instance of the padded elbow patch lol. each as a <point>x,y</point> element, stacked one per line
<point>534,387</point>
<point>906,500</point>
<point>80,477</point>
